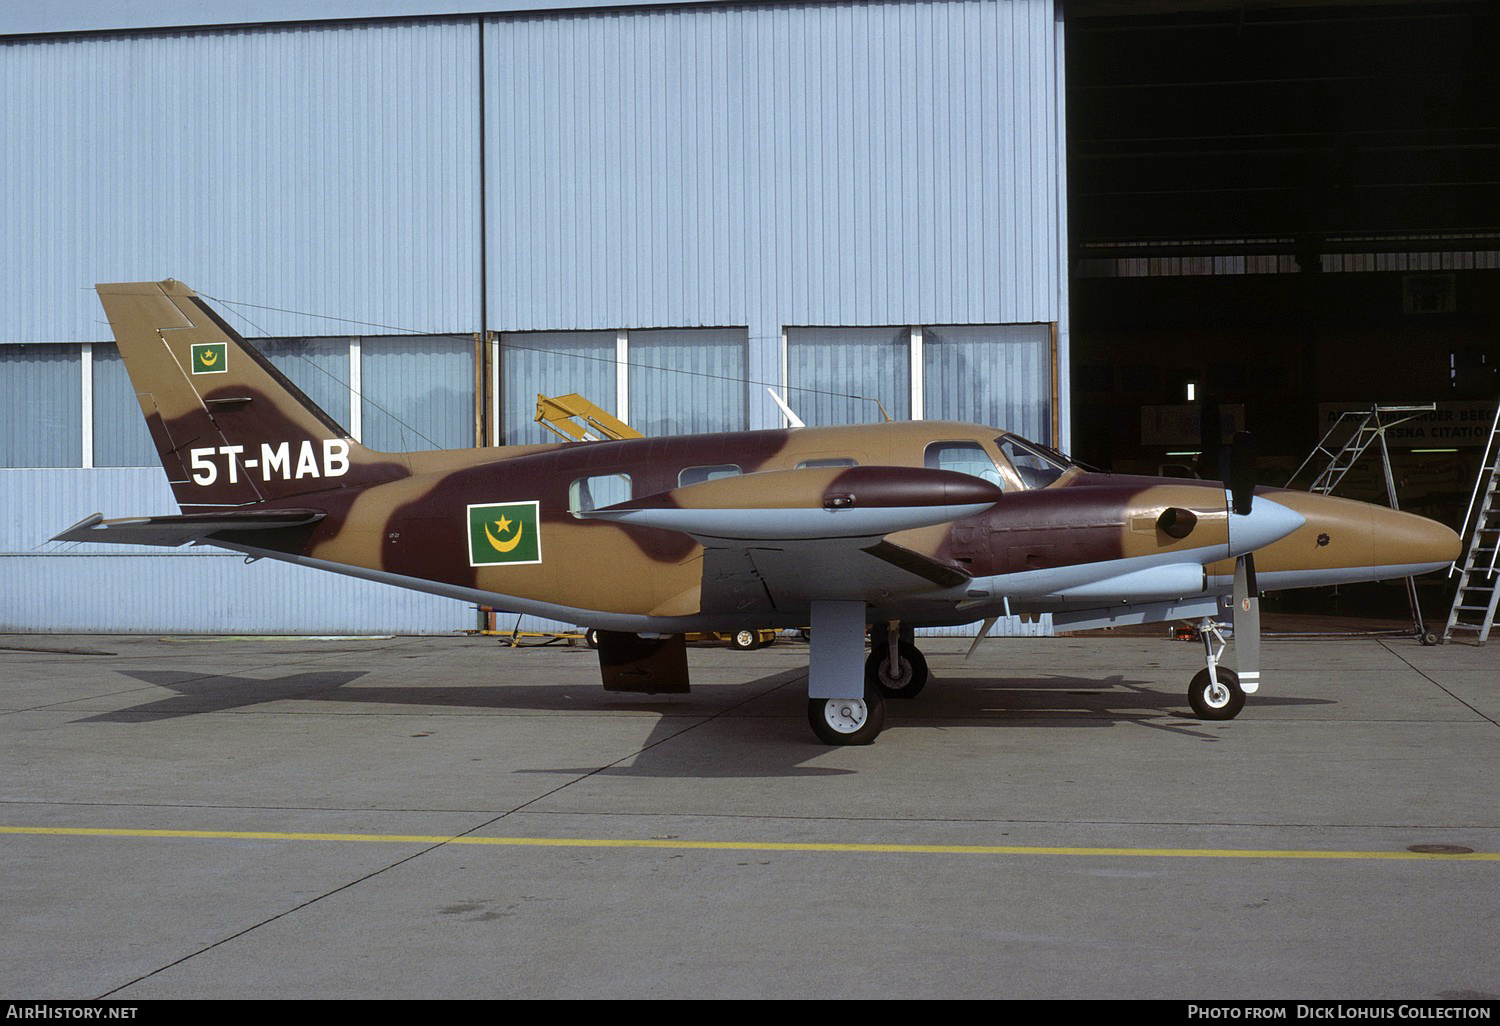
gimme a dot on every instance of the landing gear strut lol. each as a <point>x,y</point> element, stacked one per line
<point>895,667</point>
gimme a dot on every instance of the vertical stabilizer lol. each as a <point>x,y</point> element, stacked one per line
<point>230,429</point>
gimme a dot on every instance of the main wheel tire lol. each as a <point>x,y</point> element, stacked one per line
<point>1221,702</point>
<point>744,641</point>
<point>909,678</point>
<point>847,721</point>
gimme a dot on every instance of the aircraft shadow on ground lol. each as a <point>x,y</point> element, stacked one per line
<point>760,728</point>
<point>199,693</point>
<point>209,693</point>
<point>1066,695</point>
<point>1077,700</point>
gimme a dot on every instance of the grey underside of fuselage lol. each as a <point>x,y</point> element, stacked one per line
<point>742,599</point>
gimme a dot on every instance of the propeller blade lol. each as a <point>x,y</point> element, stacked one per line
<point>984,632</point>
<point>1241,482</point>
<point>1246,624</point>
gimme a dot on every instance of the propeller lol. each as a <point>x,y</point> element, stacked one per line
<point>1241,477</point>
<point>1240,481</point>
<point>1236,468</point>
<point>1246,624</point>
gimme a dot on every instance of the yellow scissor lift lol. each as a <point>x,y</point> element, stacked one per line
<point>575,419</point>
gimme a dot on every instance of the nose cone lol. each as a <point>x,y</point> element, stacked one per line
<point>1401,539</point>
<point>1350,541</point>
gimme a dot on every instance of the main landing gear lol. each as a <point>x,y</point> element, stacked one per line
<point>847,721</point>
<point>846,706</point>
<point>895,667</point>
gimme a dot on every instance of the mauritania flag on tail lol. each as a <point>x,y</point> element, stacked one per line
<point>504,532</point>
<point>210,358</point>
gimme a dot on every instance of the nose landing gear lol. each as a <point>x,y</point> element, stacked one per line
<point>1216,692</point>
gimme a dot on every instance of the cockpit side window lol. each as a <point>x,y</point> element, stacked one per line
<point>1036,465</point>
<point>590,493</point>
<point>963,458</point>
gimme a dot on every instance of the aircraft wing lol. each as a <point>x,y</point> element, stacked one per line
<point>172,531</point>
<point>779,539</point>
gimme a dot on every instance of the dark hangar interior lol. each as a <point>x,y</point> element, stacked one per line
<point>1287,205</point>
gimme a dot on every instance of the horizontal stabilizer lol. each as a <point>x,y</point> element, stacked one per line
<point>171,531</point>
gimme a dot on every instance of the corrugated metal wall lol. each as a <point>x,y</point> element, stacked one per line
<point>736,167</point>
<point>834,164</point>
<point>329,169</point>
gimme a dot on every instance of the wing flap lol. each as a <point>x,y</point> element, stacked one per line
<point>925,567</point>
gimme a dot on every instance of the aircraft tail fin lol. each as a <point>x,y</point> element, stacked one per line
<point>230,429</point>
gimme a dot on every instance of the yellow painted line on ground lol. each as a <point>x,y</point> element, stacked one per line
<point>782,846</point>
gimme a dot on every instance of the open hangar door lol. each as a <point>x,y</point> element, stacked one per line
<point>1287,206</point>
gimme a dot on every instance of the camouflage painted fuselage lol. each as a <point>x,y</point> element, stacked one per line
<point>512,527</point>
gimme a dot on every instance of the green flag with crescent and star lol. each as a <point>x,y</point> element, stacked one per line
<point>504,532</point>
<point>210,358</point>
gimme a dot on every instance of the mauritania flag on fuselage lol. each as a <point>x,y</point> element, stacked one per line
<point>504,532</point>
<point>210,358</point>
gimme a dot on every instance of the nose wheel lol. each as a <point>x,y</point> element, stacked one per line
<point>1220,699</point>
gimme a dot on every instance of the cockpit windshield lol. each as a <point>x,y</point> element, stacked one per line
<point>1037,465</point>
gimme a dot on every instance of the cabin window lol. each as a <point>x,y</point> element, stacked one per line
<point>834,461</point>
<point>591,493</point>
<point>963,458</point>
<point>697,475</point>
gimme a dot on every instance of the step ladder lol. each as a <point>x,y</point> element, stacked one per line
<point>1370,426</point>
<point>1475,600</point>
